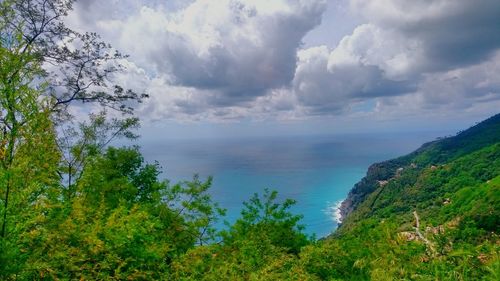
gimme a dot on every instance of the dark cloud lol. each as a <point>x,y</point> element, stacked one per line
<point>452,33</point>
<point>230,59</point>
<point>248,53</point>
<point>420,47</point>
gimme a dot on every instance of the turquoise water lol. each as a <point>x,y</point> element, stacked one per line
<point>316,171</point>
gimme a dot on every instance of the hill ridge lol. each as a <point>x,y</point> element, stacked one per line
<point>434,152</point>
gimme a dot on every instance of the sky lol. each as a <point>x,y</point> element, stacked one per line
<point>227,68</point>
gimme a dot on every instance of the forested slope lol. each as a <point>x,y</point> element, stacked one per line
<point>432,153</point>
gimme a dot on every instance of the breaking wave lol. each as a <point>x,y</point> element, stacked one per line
<point>333,211</point>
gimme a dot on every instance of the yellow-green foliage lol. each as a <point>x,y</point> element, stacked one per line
<point>116,220</point>
<point>458,209</point>
<point>119,222</point>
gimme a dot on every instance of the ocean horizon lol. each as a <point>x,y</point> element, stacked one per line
<point>316,171</point>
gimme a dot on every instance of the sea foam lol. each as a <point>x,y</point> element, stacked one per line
<point>333,211</point>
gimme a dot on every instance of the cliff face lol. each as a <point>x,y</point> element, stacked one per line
<point>433,153</point>
<point>377,173</point>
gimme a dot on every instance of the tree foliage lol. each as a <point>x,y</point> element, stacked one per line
<point>75,208</point>
<point>77,67</point>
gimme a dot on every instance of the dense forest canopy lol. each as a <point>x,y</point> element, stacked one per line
<point>75,208</point>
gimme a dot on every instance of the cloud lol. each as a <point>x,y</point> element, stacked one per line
<point>464,91</point>
<point>452,33</point>
<point>463,87</point>
<point>234,49</point>
<point>432,53</point>
<point>236,59</point>
<point>329,81</point>
<point>240,50</point>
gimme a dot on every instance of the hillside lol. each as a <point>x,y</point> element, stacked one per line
<point>432,153</point>
<point>431,215</point>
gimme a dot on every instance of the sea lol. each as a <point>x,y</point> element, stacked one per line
<point>317,171</point>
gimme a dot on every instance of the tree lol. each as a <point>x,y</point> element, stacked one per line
<point>265,238</point>
<point>191,201</point>
<point>20,106</point>
<point>28,154</point>
<point>74,68</point>
<point>265,219</point>
<point>44,67</point>
<point>77,67</point>
<point>89,139</point>
<point>121,222</point>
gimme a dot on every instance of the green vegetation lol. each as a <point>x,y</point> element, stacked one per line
<point>437,152</point>
<point>456,238</point>
<point>74,208</point>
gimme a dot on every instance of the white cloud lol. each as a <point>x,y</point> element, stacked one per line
<point>208,58</point>
<point>239,48</point>
<point>231,59</point>
<point>396,56</point>
<point>425,54</point>
<point>330,81</point>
